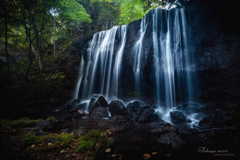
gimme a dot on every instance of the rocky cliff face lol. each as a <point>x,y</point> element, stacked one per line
<point>176,55</point>
<point>215,41</point>
<point>150,57</point>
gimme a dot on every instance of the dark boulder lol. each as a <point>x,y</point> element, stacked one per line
<point>171,138</point>
<point>184,129</point>
<point>91,104</point>
<point>117,108</point>
<point>177,117</point>
<point>214,121</point>
<point>102,102</point>
<point>146,113</point>
<point>132,108</point>
<point>81,106</point>
<point>121,123</point>
<point>78,113</point>
<point>104,123</point>
<point>42,123</point>
<point>164,129</point>
<point>161,123</point>
<point>98,113</point>
<point>155,117</point>
<point>73,106</point>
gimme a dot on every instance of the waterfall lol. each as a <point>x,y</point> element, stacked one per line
<point>151,55</point>
<point>173,68</point>
<point>80,75</point>
<point>137,50</point>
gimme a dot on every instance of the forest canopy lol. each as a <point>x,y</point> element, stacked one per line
<point>37,28</point>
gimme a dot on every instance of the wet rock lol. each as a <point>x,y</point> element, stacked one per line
<point>9,129</point>
<point>98,113</point>
<point>155,117</point>
<point>78,113</point>
<point>171,138</point>
<point>160,123</point>
<point>146,113</point>
<point>184,129</point>
<point>43,123</point>
<point>65,130</point>
<point>121,123</point>
<point>135,118</point>
<point>205,137</point>
<point>189,108</point>
<point>177,117</point>
<point>132,108</point>
<point>117,108</point>
<point>104,123</point>
<point>91,104</point>
<point>163,130</point>
<point>102,102</point>
<point>73,104</point>
<point>79,132</point>
<point>214,121</point>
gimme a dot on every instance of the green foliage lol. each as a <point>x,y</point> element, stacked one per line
<point>18,123</point>
<point>29,138</point>
<point>89,140</point>
<point>70,9</point>
<point>131,10</point>
<point>42,143</point>
<point>109,142</point>
<point>24,118</point>
<point>50,119</point>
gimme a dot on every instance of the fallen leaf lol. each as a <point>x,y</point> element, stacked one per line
<point>146,156</point>
<point>108,150</point>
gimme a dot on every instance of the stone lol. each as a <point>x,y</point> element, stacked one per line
<point>132,108</point>
<point>117,108</point>
<point>102,102</point>
<point>98,113</point>
<point>78,113</point>
<point>171,138</point>
<point>184,129</point>
<point>42,123</point>
<point>91,104</point>
<point>121,123</point>
<point>163,130</point>
<point>146,114</point>
<point>189,108</point>
<point>177,117</point>
<point>65,130</point>
<point>160,123</point>
<point>104,123</point>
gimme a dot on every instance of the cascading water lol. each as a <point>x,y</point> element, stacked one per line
<point>173,61</point>
<point>154,59</point>
<point>137,51</point>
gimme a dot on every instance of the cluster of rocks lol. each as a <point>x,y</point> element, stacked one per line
<point>122,117</point>
<point>73,109</point>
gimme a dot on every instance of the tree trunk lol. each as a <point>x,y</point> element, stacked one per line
<point>40,61</point>
<point>39,51</point>
<point>15,49</point>
<point>6,35</point>
<point>30,61</point>
<point>54,45</point>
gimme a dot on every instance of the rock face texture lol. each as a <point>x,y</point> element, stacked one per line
<point>130,51</point>
<point>117,108</point>
<point>143,58</point>
<point>98,112</point>
<point>121,123</point>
